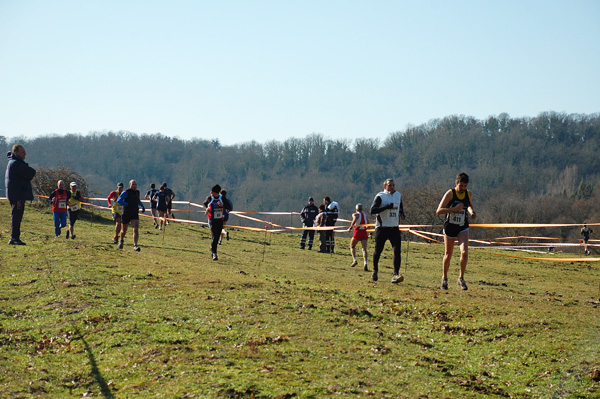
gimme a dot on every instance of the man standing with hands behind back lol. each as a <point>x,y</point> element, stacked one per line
<point>17,181</point>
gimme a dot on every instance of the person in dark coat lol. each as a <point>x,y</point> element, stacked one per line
<point>308,215</point>
<point>17,181</point>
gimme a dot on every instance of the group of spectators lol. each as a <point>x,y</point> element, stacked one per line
<point>325,215</point>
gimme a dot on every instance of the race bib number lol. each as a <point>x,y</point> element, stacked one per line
<point>218,213</point>
<point>120,209</point>
<point>457,218</point>
<point>74,207</point>
<point>62,204</point>
<point>393,213</point>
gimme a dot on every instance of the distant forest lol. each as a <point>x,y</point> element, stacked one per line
<point>539,169</point>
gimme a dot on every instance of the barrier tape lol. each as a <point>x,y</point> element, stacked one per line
<point>546,259</point>
<point>412,229</point>
<point>401,227</point>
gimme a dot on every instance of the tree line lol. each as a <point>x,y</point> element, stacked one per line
<point>538,169</point>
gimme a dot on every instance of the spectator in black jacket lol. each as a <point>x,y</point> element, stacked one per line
<point>18,189</point>
<point>308,215</point>
<point>333,209</point>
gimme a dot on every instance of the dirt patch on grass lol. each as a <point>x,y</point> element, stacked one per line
<point>480,385</point>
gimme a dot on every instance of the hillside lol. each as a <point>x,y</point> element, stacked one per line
<point>512,161</point>
<point>80,318</point>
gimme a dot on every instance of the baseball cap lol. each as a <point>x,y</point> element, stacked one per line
<point>120,184</point>
<point>73,184</point>
<point>311,199</point>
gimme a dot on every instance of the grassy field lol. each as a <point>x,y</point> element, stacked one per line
<point>80,318</point>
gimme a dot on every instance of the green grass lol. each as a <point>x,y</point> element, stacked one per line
<point>82,318</point>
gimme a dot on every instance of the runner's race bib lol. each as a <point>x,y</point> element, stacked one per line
<point>74,207</point>
<point>218,213</point>
<point>120,209</point>
<point>393,213</point>
<point>457,218</point>
<point>62,204</point>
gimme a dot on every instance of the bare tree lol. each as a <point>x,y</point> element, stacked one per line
<point>46,179</point>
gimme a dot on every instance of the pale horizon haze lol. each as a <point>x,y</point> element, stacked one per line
<point>238,71</point>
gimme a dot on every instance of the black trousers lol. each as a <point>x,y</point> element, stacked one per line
<point>330,239</point>
<point>16,216</point>
<point>311,237</point>
<point>382,234</point>
<point>216,226</point>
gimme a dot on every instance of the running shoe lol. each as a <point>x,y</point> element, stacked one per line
<point>374,276</point>
<point>121,244</point>
<point>366,268</point>
<point>136,248</point>
<point>227,235</point>
<point>354,263</point>
<point>397,278</point>
<point>214,256</point>
<point>444,285</point>
<point>115,240</point>
<point>462,284</point>
<point>67,234</point>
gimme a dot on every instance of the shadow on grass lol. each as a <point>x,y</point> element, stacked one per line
<point>104,389</point>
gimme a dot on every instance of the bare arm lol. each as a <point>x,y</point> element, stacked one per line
<point>443,206</point>
<point>354,219</point>
<point>470,209</point>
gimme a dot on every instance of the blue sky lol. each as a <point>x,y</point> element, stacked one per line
<point>270,70</point>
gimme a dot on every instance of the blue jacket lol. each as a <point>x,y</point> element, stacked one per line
<point>17,179</point>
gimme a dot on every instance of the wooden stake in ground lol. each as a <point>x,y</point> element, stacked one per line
<point>407,248</point>
<point>265,243</point>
